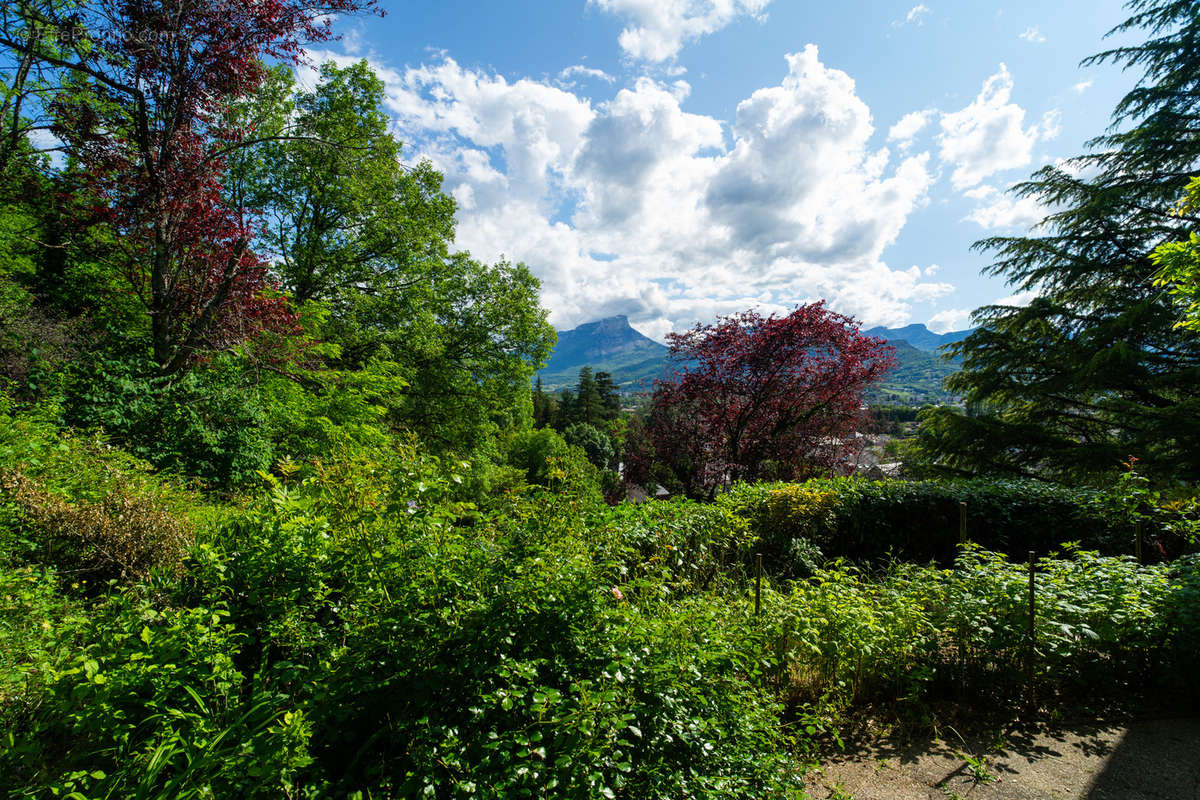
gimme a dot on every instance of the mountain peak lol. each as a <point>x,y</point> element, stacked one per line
<point>619,322</point>
<point>610,345</point>
<point>919,336</point>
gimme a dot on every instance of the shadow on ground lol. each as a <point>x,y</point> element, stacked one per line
<point>1156,759</point>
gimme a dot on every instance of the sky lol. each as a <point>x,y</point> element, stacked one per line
<point>676,160</point>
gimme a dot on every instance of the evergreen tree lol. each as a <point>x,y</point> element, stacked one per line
<point>610,396</point>
<point>564,412</point>
<point>588,405</point>
<point>544,407</point>
<point>1094,369</point>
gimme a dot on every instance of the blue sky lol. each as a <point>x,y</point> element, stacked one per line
<point>673,160</point>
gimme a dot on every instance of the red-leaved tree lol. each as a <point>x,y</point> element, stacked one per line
<point>143,87</point>
<point>757,397</point>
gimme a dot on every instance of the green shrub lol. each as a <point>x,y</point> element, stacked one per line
<point>210,423</point>
<point>152,706</point>
<point>125,535</point>
<point>515,662</point>
<point>532,652</point>
<point>690,546</point>
<point>39,630</point>
<point>90,509</point>
<point>918,521</point>
<point>548,460</point>
<point>801,520</point>
<point>592,440</point>
<point>1104,627</point>
<point>841,633</point>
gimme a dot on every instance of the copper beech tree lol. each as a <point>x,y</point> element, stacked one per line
<point>756,397</point>
<point>141,91</point>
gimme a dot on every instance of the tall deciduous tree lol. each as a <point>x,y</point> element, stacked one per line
<point>1094,369</point>
<point>755,394</point>
<point>143,87</point>
<point>343,215</point>
<point>353,229</point>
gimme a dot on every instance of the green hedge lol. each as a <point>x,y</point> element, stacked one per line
<point>919,521</point>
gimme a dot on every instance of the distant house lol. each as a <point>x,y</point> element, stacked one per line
<point>638,494</point>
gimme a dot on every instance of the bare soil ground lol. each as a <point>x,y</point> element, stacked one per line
<point>1145,759</point>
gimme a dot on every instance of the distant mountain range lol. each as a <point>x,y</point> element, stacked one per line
<point>609,345</point>
<point>918,377</point>
<point>635,361</point>
<point>919,336</point>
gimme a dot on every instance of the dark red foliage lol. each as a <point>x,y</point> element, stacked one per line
<point>758,397</point>
<point>144,119</point>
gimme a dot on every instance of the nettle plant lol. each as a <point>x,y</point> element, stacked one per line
<point>1147,509</point>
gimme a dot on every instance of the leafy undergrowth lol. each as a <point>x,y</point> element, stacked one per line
<point>357,629</point>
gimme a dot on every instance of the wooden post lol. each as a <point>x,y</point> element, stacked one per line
<point>962,522</point>
<point>1031,654</point>
<point>757,584</point>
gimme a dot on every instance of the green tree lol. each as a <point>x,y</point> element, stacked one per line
<point>370,239</point>
<point>589,406</point>
<point>344,217</point>
<point>1094,369</point>
<point>544,406</point>
<point>595,443</point>
<point>610,396</point>
<point>1179,264</point>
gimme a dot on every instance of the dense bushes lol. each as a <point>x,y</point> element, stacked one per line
<point>123,536</point>
<point>683,545</point>
<point>209,422</point>
<point>347,632</point>
<point>911,633</point>
<point>360,627</point>
<point>90,511</point>
<point>872,520</point>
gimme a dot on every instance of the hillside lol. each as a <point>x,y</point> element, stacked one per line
<point>919,377</point>
<point>609,345</point>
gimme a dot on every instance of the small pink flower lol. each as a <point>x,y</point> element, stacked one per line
<point>617,594</point>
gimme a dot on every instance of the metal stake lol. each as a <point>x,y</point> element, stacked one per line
<point>1029,657</point>
<point>757,584</point>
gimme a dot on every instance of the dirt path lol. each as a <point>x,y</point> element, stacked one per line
<point>1144,760</point>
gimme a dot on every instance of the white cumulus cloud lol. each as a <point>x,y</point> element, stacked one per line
<point>909,126</point>
<point>998,209</point>
<point>637,206</point>
<point>952,319</point>
<point>584,71</point>
<point>990,135</point>
<point>1018,300</point>
<point>658,29</point>
<point>1032,35</point>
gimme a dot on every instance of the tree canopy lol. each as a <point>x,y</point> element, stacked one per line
<point>139,99</point>
<point>1094,369</point>
<point>756,396</point>
<point>1179,264</point>
<point>252,268</point>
